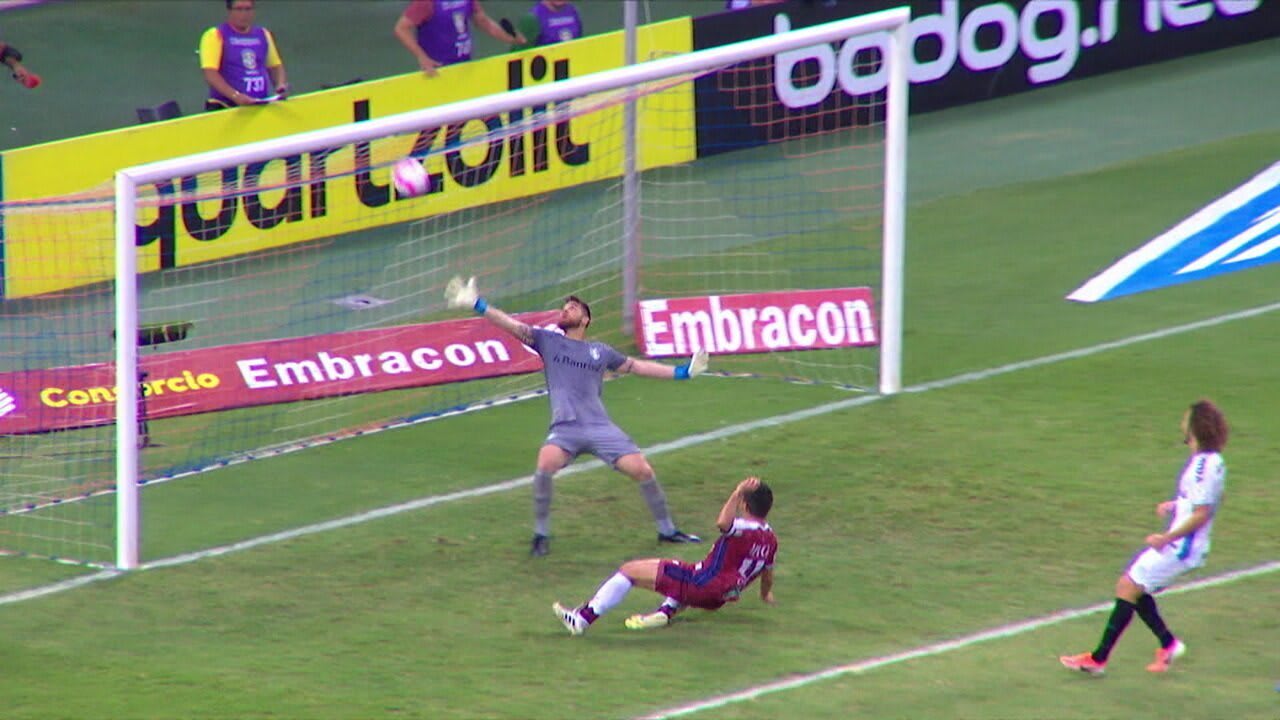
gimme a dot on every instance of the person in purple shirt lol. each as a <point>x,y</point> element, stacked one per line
<point>438,32</point>
<point>744,4</point>
<point>240,61</point>
<point>549,22</point>
<point>574,369</point>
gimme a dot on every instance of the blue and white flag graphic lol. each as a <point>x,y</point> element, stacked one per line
<point>1237,231</point>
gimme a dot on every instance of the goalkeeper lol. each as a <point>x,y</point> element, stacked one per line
<point>574,368</point>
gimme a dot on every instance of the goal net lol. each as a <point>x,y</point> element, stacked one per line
<point>281,294</point>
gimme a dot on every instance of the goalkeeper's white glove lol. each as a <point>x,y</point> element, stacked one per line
<point>462,294</point>
<point>695,367</point>
<point>698,363</point>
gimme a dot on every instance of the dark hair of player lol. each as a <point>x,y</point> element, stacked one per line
<point>1208,425</point>
<point>759,500</point>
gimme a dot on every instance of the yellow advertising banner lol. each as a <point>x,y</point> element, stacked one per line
<point>70,243</point>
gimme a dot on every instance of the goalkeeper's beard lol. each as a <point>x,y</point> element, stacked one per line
<point>567,325</point>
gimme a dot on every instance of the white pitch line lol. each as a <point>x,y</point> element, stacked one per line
<point>996,633</point>
<point>682,443</point>
<point>54,588</point>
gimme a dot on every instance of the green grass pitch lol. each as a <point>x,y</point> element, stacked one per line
<point>904,522</point>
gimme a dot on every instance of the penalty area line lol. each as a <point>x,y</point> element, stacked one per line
<point>924,651</point>
<point>662,448</point>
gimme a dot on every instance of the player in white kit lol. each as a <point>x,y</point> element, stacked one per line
<point>574,369</point>
<point>1180,548</point>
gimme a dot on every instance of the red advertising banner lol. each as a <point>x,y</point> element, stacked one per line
<point>756,322</point>
<point>276,371</point>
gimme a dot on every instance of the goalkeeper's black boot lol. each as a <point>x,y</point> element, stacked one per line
<point>679,537</point>
<point>540,546</point>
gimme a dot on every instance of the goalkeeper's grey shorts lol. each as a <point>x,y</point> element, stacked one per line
<point>606,442</point>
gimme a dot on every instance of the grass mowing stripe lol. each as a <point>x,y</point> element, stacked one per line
<point>686,442</point>
<point>996,633</point>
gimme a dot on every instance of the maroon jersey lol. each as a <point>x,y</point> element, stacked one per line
<point>737,558</point>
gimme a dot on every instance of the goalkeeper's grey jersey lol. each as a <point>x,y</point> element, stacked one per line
<point>575,376</point>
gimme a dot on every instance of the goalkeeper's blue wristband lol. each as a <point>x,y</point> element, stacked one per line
<point>481,305</point>
<point>682,372</point>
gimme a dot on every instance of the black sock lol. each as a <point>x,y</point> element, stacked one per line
<point>1150,615</point>
<point>1121,614</point>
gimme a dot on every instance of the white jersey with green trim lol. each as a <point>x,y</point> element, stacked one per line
<point>1201,482</point>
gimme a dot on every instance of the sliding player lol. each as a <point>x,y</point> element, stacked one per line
<point>574,369</point>
<point>745,551</point>
<point>1173,552</point>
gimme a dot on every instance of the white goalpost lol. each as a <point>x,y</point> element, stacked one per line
<point>639,219</point>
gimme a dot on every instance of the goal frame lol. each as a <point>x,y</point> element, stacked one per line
<point>893,22</point>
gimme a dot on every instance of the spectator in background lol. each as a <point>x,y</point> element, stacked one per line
<point>549,22</point>
<point>438,32</point>
<point>240,60</point>
<point>10,56</point>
